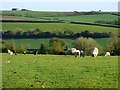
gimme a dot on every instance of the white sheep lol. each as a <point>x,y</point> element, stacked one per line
<point>95,52</point>
<point>107,54</point>
<point>70,51</point>
<point>9,51</point>
<point>73,50</point>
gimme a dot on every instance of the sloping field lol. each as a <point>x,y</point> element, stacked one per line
<point>54,71</point>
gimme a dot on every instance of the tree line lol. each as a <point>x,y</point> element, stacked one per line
<point>40,34</point>
<point>58,46</point>
<point>76,13</point>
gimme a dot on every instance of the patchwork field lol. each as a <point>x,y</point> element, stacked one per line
<point>38,15</point>
<point>54,71</point>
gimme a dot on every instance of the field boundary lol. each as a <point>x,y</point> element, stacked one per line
<point>60,21</point>
<point>115,26</point>
<point>33,21</point>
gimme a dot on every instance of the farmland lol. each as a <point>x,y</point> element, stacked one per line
<point>43,16</point>
<point>54,71</point>
<point>69,16</point>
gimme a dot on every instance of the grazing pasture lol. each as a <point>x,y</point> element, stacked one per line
<point>55,71</point>
<point>54,27</point>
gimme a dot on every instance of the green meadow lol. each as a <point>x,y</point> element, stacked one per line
<point>55,27</point>
<point>55,71</point>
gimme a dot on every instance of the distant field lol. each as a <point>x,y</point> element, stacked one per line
<point>35,43</point>
<point>60,15</point>
<point>88,18</point>
<point>55,27</point>
<point>54,71</point>
<point>32,14</point>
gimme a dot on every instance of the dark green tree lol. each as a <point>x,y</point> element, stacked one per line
<point>42,49</point>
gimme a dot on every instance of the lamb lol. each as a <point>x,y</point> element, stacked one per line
<point>10,52</point>
<point>73,50</point>
<point>107,54</point>
<point>70,51</point>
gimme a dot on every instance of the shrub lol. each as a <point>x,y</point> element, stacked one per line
<point>21,49</point>
<point>114,44</point>
<point>11,46</point>
<point>85,44</point>
<point>56,46</point>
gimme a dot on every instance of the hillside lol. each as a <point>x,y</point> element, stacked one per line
<point>91,17</point>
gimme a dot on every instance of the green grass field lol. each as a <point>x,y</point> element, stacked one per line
<point>35,43</point>
<point>55,27</point>
<point>54,71</point>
